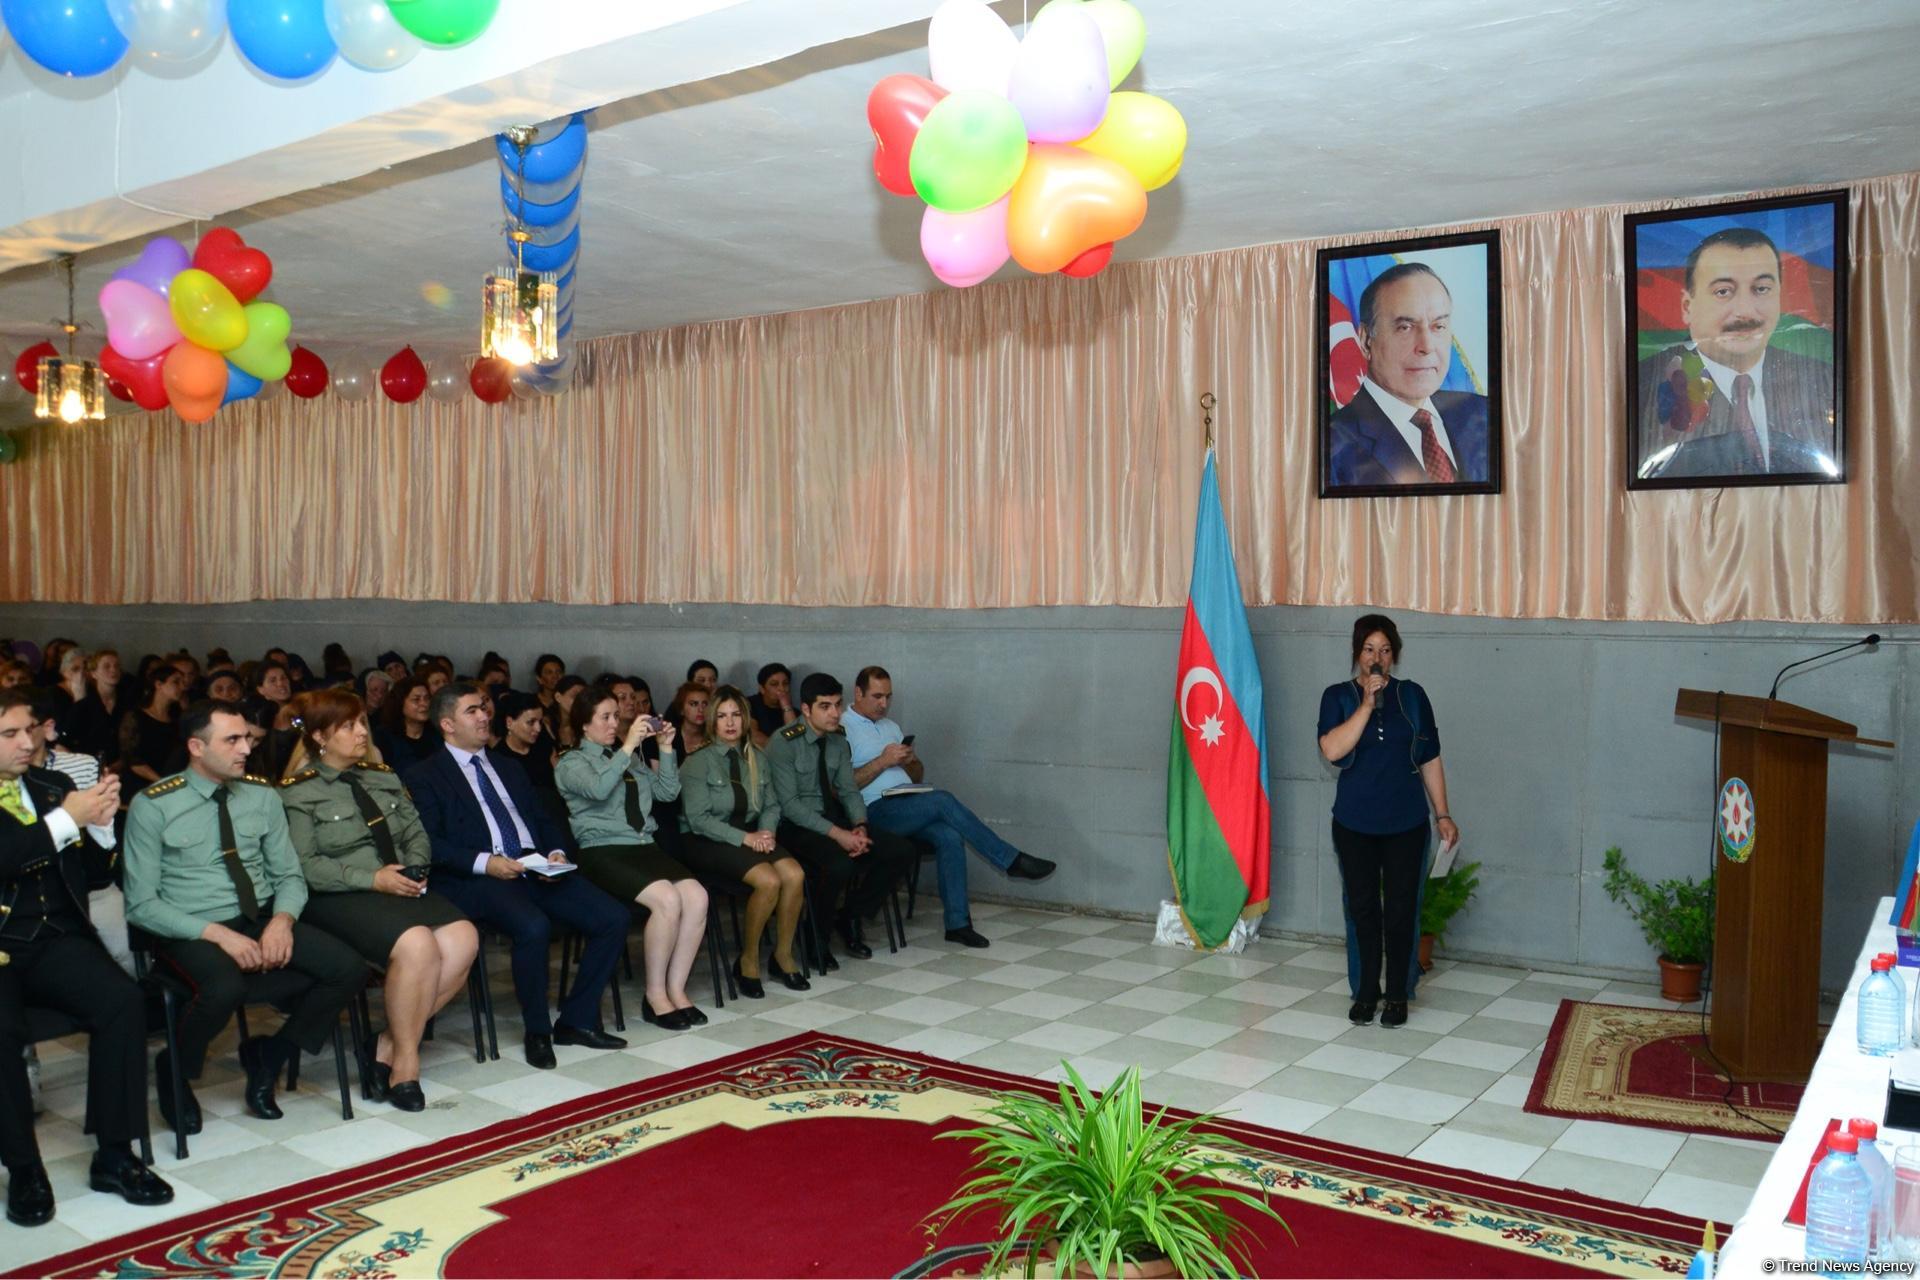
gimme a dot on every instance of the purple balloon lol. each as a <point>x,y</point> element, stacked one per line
<point>1059,79</point>
<point>158,263</point>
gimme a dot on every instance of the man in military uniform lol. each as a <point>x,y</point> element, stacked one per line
<point>211,874</point>
<point>51,957</point>
<point>823,820</point>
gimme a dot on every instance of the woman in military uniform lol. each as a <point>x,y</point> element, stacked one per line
<point>365,856</point>
<point>727,801</point>
<point>610,790</point>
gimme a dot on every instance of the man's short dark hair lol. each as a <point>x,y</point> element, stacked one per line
<point>197,720</point>
<point>1392,275</point>
<point>868,675</point>
<point>818,685</point>
<point>444,702</point>
<point>11,698</point>
<point>45,704</point>
<point>1733,238</point>
<point>771,670</point>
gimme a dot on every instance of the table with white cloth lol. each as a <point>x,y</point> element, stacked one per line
<point>1845,1083</point>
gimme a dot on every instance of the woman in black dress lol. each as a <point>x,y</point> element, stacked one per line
<point>404,735</point>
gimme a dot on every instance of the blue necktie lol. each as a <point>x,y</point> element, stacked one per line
<point>502,815</point>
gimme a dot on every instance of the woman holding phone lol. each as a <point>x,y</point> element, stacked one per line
<point>1379,732</point>
<point>366,856</point>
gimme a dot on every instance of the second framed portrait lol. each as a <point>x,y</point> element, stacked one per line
<point>1409,367</point>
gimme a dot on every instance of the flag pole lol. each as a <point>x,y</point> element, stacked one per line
<point>1207,402</point>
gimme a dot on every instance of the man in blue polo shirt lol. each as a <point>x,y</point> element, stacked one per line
<point>889,775</point>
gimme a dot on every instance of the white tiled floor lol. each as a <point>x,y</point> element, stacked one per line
<point>1263,1035</point>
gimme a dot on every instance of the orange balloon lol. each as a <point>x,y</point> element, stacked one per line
<point>1066,202</point>
<point>196,379</point>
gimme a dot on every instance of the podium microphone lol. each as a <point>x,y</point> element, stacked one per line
<point>1870,640</point>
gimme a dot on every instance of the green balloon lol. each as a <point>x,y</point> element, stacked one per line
<point>444,22</point>
<point>970,151</point>
<point>8,449</point>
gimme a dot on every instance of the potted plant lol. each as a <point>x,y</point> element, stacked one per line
<point>1677,918</point>
<point>1094,1185</point>
<point>1440,902</point>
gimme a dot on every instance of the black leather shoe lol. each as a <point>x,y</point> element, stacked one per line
<point>792,981</point>
<point>1027,867</point>
<point>261,1067</point>
<point>695,1018</point>
<point>163,1086</point>
<point>127,1178</point>
<point>1362,1013</point>
<point>1393,1013</point>
<point>671,1020</point>
<point>827,963</point>
<point>540,1052</point>
<point>749,987</point>
<point>586,1039</point>
<point>29,1196</point>
<point>966,937</point>
<point>379,1074</point>
<point>407,1096</point>
<point>852,944</point>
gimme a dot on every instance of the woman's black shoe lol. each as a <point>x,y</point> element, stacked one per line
<point>749,987</point>
<point>695,1018</point>
<point>792,981</point>
<point>1362,1013</point>
<point>379,1074</point>
<point>407,1096</point>
<point>1393,1013</point>
<point>671,1020</point>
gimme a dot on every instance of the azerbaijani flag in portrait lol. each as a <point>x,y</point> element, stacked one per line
<point>1804,237</point>
<point>1463,269</point>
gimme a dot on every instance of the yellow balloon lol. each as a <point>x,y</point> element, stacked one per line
<point>206,311</point>
<point>1142,132</point>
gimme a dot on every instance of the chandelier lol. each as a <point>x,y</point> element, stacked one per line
<point>71,390</point>
<point>519,318</point>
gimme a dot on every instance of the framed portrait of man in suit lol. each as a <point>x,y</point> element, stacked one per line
<point>1736,343</point>
<point>1409,367</point>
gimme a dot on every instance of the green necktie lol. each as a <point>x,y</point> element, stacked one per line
<point>10,801</point>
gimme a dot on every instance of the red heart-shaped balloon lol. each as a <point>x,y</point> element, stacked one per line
<point>223,255</point>
<point>491,379</point>
<point>307,375</point>
<point>895,110</point>
<point>26,369</point>
<point>145,379</point>
<point>403,377</point>
<point>118,390</point>
<point>1090,263</point>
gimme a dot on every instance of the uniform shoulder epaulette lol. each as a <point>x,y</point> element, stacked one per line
<point>165,785</point>
<point>301,776</point>
<point>794,730</point>
<point>374,766</point>
<point>256,779</point>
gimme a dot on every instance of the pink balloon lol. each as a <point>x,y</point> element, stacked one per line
<point>139,321</point>
<point>1059,81</point>
<point>965,248</point>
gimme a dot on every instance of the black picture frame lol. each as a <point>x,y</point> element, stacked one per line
<point>1683,429</point>
<point>1363,449</point>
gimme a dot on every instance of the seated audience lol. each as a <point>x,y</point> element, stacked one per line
<point>373,685</point>
<point>394,665</point>
<point>148,739</point>
<point>883,762</point>
<point>365,857</point>
<point>268,681</point>
<point>15,674</point>
<point>406,734</point>
<point>704,674</point>
<point>610,791</point>
<point>54,840</point>
<point>211,874</point>
<point>547,671</point>
<point>559,716</point>
<point>53,661</point>
<point>95,728</point>
<point>731,814</point>
<point>772,707</point>
<point>520,734</point>
<point>824,821</point>
<point>495,674</point>
<point>105,905</point>
<point>69,687</point>
<point>223,686</point>
<point>335,665</point>
<point>482,817</point>
<point>688,713</point>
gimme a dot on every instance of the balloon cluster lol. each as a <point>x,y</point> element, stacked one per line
<point>403,377</point>
<point>285,39</point>
<point>1022,148</point>
<point>540,191</point>
<point>189,331</point>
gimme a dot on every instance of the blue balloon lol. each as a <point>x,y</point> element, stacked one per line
<point>551,257</point>
<point>536,214</point>
<point>547,161</point>
<point>241,385</point>
<point>68,37</point>
<point>555,234</point>
<point>286,39</point>
<point>565,283</point>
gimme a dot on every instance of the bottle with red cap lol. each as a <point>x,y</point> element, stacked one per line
<point>1883,1009</point>
<point>1880,1173</point>
<point>1839,1204</point>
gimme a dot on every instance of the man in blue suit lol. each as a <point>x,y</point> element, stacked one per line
<point>1400,428</point>
<point>482,816</point>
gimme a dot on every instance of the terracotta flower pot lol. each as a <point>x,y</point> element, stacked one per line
<point>1426,952</point>
<point>1679,983</point>
<point>1147,1269</point>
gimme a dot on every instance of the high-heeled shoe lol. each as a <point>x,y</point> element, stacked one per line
<point>792,981</point>
<point>749,987</point>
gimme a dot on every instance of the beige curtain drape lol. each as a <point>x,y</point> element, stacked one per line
<point>1034,443</point>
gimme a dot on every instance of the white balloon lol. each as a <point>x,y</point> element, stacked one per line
<point>354,377</point>
<point>368,35</point>
<point>447,379</point>
<point>169,30</point>
<point>970,47</point>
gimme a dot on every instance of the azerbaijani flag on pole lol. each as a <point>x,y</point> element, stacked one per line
<point>1218,816</point>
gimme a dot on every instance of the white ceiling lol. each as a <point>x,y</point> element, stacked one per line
<point>752,192</point>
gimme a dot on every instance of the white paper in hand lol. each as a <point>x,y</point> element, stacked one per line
<point>1443,859</point>
<point>537,864</point>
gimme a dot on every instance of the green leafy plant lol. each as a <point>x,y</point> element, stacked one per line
<point>1103,1183</point>
<point>1445,896</point>
<point>1675,915</point>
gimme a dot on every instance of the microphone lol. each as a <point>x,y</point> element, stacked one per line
<point>1379,704</point>
<point>1870,640</point>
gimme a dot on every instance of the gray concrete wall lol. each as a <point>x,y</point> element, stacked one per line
<point>1559,737</point>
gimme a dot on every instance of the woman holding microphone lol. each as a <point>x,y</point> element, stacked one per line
<point>1379,732</point>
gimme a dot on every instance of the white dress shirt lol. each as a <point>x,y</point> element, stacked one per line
<point>1400,414</point>
<point>523,837</point>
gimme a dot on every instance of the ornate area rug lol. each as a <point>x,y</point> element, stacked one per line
<point>1648,1067</point>
<point>816,1156</point>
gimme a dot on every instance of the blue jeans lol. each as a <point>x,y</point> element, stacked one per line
<point>949,826</point>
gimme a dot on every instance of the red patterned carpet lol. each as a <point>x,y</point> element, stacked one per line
<point>1648,1067</point>
<point>816,1156</point>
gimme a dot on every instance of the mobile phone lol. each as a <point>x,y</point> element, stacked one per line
<point>417,874</point>
<point>907,741</point>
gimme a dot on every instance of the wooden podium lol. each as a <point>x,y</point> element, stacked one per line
<point>1766,936</point>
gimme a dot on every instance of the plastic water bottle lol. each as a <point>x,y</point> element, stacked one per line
<point>1883,1009</point>
<point>1839,1204</point>
<point>1880,1173</point>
